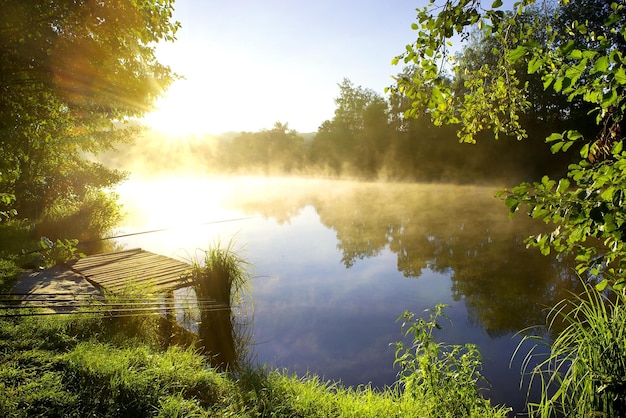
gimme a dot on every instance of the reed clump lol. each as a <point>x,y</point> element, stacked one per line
<point>223,276</point>
<point>585,371</point>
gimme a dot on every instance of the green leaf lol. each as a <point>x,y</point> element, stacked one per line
<point>609,98</point>
<point>563,186</point>
<point>558,84</point>
<point>574,135</point>
<point>617,147</point>
<point>547,80</point>
<point>554,137</point>
<point>576,54</point>
<point>608,194</point>
<point>601,65</point>
<point>556,147</point>
<point>496,4</point>
<point>620,75</point>
<point>584,152</point>
<point>510,201</point>
<point>613,17</point>
<point>517,53</point>
<point>534,64</point>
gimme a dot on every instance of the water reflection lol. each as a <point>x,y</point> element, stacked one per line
<point>460,231</point>
<point>342,260</point>
<point>212,328</point>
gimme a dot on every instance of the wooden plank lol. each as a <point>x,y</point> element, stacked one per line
<point>138,271</point>
<point>111,271</point>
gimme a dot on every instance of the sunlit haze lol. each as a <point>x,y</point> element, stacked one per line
<point>248,64</point>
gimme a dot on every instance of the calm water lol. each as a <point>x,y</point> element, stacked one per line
<point>337,263</point>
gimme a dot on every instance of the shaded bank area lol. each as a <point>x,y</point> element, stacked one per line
<point>55,290</point>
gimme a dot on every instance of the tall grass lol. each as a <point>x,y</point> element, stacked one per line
<point>224,276</point>
<point>9,272</point>
<point>584,374</point>
<point>126,320</point>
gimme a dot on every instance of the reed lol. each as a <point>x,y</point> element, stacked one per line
<point>585,371</point>
<point>224,276</point>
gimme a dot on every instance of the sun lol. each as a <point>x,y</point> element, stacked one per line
<point>180,112</point>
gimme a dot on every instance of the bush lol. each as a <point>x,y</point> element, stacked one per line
<point>446,377</point>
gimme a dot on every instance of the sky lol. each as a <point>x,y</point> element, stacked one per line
<point>250,63</point>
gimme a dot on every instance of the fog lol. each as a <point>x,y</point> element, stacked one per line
<point>286,153</point>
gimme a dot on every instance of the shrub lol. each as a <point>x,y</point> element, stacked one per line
<point>444,376</point>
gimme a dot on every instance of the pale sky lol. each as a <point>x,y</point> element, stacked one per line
<point>251,63</point>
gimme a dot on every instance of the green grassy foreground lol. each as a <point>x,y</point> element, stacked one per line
<point>79,365</point>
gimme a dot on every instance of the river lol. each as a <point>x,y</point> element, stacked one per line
<point>337,262</point>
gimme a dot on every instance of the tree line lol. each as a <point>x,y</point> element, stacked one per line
<point>368,138</point>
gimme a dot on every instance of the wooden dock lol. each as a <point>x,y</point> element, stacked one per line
<point>114,271</point>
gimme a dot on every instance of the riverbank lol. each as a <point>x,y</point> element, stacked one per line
<point>78,365</point>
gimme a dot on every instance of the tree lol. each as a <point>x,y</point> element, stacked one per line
<point>72,75</point>
<point>277,150</point>
<point>357,135</point>
<point>581,58</point>
<point>589,67</point>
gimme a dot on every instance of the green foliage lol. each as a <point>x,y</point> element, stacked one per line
<point>578,52</point>
<point>222,274</point>
<point>367,138</point>
<point>175,406</point>
<point>88,220</point>
<point>17,236</point>
<point>580,60</point>
<point>494,98</point>
<point>6,199</point>
<point>587,209</point>
<point>274,393</point>
<point>585,372</point>
<point>66,230</point>
<point>447,376</point>
<point>68,366</point>
<point>133,380</point>
<point>9,271</point>
<point>72,74</point>
<point>355,140</point>
<point>59,252</point>
<point>277,150</point>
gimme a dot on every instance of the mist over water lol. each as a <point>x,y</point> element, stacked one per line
<point>337,262</point>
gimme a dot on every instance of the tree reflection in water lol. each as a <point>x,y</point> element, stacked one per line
<point>461,231</point>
